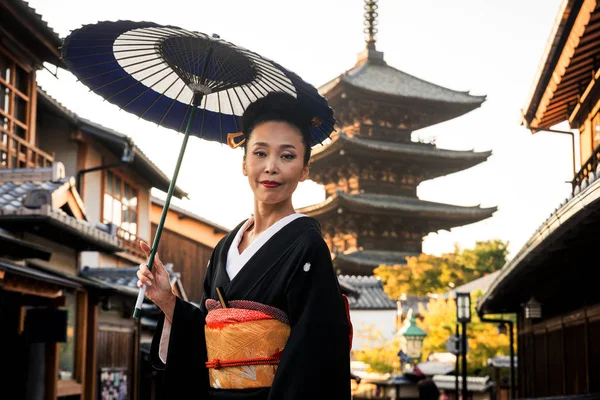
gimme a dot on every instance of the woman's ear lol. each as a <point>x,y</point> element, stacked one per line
<point>305,171</point>
<point>244,170</point>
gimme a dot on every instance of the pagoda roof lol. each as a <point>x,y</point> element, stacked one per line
<point>393,204</point>
<point>462,158</point>
<point>378,77</point>
<point>375,258</point>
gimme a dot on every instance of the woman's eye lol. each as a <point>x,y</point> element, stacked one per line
<point>288,156</point>
<point>259,153</point>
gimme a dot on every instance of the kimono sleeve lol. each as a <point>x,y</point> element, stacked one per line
<point>316,360</point>
<point>185,371</point>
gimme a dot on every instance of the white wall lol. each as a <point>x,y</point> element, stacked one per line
<point>382,320</point>
<point>54,136</point>
<point>63,259</point>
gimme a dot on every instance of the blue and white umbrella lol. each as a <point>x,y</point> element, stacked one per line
<point>187,81</point>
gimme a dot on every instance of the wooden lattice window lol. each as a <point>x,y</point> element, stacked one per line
<point>120,207</point>
<point>15,110</point>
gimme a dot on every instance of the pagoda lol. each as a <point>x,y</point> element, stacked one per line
<point>371,168</point>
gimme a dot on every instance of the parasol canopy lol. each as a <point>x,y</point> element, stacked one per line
<point>187,81</point>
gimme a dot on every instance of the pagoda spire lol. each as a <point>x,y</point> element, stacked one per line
<point>371,22</point>
<point>370,30</point>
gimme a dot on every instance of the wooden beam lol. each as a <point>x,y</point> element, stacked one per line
<point>82,151</point>
<point>32,106</point>
<point>81,338</point>
<point>136,367</point>
<point>587,350</point>
<point>35,288</point>
<point>91,350</point>
<point>74,206</point>
<point>51,378</point>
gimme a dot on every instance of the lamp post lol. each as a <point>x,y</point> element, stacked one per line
<point>463,316</point>
<point>533,309</point>
<point>411,341</point>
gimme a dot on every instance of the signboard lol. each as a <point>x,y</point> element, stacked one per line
<point>454,345</point>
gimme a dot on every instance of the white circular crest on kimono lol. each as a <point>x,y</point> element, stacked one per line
<point>306,267</point>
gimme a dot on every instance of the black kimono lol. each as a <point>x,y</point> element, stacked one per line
<point>315,362</point>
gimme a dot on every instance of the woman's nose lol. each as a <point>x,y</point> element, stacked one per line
<point>271,167</point>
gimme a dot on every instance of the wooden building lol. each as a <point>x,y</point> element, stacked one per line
<point>371,169</point>
<point>548,284</point>
<point>187,241</point>
<point>73,194</point>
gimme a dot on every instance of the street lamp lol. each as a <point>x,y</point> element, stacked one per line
<point>463,315</point>
<point>463,307</point>
<point>411,341</point>
<point>533,309</point>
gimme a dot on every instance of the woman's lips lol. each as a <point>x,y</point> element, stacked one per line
<point>270,184</point>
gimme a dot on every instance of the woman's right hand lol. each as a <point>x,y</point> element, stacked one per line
<point>158,284</point>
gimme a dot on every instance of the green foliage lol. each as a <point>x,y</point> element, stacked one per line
<point>427,274</point>
<point>380,354</point>
<point>484,341</point>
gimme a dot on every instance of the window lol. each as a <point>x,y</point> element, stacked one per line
<point>66,363</point>
<point>596,131</point>
<point>15,91</point>
<point>120,205</point>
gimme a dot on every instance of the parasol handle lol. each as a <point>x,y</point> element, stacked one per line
<point>163,217</point>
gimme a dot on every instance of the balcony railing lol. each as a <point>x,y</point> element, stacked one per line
<point>17,153</point>
<point>590,166</point>
<point>130,243</point>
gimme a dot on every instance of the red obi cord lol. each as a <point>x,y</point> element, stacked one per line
<point>218,364</point>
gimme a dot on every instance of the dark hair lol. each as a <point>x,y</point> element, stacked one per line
<point>278,107</point>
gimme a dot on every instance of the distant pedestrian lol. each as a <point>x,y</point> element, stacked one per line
<point>428,390</point>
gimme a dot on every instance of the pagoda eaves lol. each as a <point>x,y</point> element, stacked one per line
<point>443,215</point>
<point>432,160</point>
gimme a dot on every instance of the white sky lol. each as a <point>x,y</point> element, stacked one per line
<point>489,48</point>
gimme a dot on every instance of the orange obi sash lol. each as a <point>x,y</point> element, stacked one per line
<point>244,343</point>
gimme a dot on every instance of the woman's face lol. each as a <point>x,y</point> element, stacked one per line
<point>274,161</point>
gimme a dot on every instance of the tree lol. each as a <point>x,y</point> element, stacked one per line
<point>484,342</point>
<point>381,355</point>
<point>439,321</point>
<point>428,274</point>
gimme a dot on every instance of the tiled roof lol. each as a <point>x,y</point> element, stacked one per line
<point>411,149</point>
<point>123,279</point>
<point>375,258</point>
<point>39,20</point>
<point>12,210</point>
<point>370,293</point>
<point>404,204</point>
<point>381,78</point>
<point>12,194</point>
<point>580,204</point>
<point>482,284</point>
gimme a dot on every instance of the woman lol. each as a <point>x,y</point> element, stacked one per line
<point>272,323</point>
